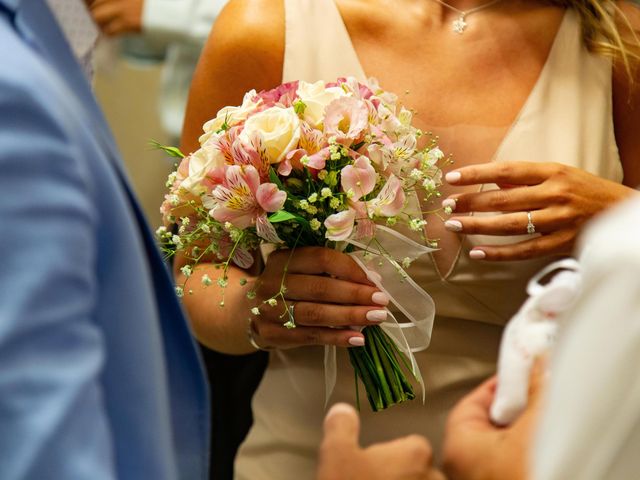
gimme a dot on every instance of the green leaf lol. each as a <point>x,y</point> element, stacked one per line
<point>281,216</point>
<point>171,151</point>
<point>273,176</point>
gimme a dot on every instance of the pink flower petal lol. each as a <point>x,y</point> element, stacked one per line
<point>266,230</point>
<point>340,225</point>
<point>360,178</point>
<point>318,160</point>
<point>389,201</point>
<point>242,258</point>
<point>270,198</point>
<point>346,118</point>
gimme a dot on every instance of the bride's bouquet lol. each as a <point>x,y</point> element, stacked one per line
<point>314,164</point>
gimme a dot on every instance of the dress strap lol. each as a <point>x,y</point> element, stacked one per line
<point>317,43</point>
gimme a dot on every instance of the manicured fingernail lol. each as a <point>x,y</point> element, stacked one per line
<point>477,254</point>
<point>449,203</point>
<point>377,316</point>
<point>356,341</point>
<point>453,177</point>
<point>380,298</point>
<point>453,225</point>
<point>374,277</point>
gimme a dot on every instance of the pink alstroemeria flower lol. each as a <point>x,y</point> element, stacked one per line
<point>244,202</point>
<point>346,119</point>
<point>359,178</point>
<point>389,201</point>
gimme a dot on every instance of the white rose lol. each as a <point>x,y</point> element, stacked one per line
<point>200,163</point>
<point>231,115</point>
<point>316,97</point>
<point>279,128</point>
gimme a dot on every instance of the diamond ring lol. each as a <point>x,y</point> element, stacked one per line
<point>531,228</point>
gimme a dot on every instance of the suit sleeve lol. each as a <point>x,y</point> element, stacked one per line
<point>180,20</point>
<point>53,423</point>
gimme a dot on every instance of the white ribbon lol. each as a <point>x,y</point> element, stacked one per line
<point>383,255</point>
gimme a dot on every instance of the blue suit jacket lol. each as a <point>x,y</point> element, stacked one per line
<point>99,375</point>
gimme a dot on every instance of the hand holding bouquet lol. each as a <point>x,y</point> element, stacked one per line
<point>310,165</point>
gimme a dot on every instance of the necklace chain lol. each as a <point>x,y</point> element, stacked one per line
<point>460,24</point>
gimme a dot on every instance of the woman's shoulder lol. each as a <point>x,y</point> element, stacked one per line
<point>244,51</point>
<point>250,27</point>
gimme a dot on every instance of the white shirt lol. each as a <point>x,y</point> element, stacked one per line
<point>590,428</point>
<point>183,26</point>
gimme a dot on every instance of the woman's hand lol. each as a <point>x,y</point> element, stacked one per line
<point>560,199</point>
<point>325,290</point>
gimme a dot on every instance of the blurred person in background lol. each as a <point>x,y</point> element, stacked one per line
<point>170,30</point>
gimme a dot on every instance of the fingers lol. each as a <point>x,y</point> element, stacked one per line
<point>474,408</point>
<point>545,221</point>
<point>341,426</point>
<point>559,242</point>
<point>322,315</point>
<point>509,173</point>
<point>504,200</point>
<point>409,457</point>
<point>319,261</point>
<point>273,334</point>
<point>330,290</point>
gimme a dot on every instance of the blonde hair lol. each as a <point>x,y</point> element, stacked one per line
<point>606,30</point>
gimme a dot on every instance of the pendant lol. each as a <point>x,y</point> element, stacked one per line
<point>459,25</point>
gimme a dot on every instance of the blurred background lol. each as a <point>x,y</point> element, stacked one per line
<point>128,88</point>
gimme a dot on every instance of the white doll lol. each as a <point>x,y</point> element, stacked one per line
<point>530,333</point>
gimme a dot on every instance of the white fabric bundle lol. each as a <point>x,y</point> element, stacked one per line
<point>530,333</point>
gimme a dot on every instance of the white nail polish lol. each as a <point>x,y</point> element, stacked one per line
<point>477,254</point>
<point>376,316</point>
<point>356,341</point>
<point>453,225</point>
<point>453,177</point>
<point>449,203</point>
<point>380,298</point>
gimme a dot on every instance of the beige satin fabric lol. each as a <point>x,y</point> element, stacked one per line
<point>567,118</point>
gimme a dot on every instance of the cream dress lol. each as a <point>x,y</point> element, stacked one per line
<point>567,118</point>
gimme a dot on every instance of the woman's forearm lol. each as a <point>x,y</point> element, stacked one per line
<point>219,326</point>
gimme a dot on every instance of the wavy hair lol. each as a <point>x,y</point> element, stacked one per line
<point>606,30</point>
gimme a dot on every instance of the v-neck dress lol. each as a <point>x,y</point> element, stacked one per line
<point>567,118</point>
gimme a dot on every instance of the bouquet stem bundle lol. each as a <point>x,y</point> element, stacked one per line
<point>377,366</point>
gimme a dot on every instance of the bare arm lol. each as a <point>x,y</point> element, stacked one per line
<point>244,51</point>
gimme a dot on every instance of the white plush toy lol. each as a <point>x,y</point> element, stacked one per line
<point>530,333</point>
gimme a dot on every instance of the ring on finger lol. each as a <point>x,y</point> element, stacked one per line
<point>252,335</point>
<point>291,322</point>
<point>531,228</point>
